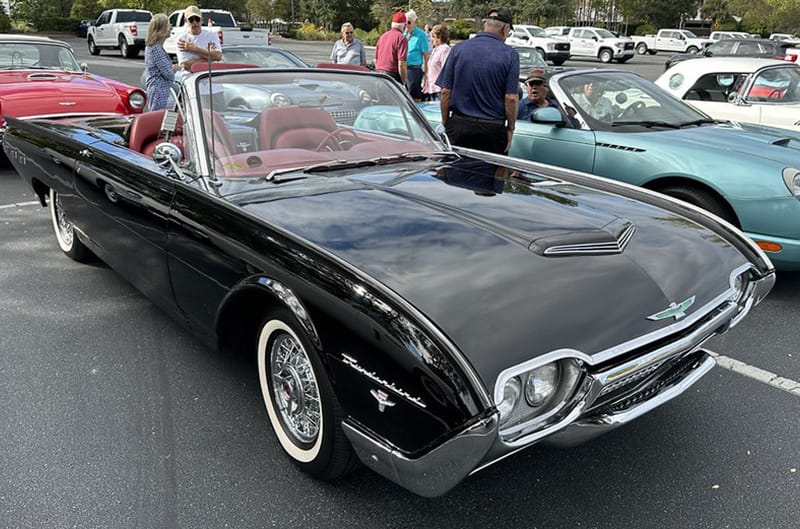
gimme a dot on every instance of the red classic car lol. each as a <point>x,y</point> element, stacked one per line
<point>40,77</point>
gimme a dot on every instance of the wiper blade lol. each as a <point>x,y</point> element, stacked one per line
<point>647,124</point>
<point>380,160</point>
<point>703,121</point>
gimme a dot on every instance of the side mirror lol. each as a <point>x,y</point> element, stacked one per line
<point>594,38</point>
<point>167,154</point>
<point>547,116</point>
<point>443,136</point>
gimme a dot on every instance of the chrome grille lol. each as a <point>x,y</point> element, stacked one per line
<point>344,117</point>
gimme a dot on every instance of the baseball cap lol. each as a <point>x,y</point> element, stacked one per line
<point>192,11</point>
<point>538,73</point>
<point>399,17</point>
<point>502,14</point>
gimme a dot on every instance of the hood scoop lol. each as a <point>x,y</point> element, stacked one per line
<point>609,240</point>
<point>42,75</point>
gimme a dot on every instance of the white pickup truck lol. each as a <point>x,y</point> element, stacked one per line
<point>553,50</point>
<point>221,21</point>
<point>675,40</point>
<point>119,29</point>
<point>599,43</point>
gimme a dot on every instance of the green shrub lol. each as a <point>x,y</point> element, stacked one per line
<point>312,32</point>
<point>646,29</point>
<point>461,29</point>
<point>369,38</point>
<point>5,23</point>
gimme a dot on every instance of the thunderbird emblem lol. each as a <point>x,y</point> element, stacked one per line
<point>383,399</point>
<point>675,310</point>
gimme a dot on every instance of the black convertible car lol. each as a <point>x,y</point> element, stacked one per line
<point>423,309</point>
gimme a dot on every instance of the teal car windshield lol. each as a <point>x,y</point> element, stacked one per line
<point>617,100</point>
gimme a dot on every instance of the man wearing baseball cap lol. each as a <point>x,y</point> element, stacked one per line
<point>537,89</point>
<point>479,82</point>
<point>391,50</point>
<point>196,45</point>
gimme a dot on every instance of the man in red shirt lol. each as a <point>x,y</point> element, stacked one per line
<point>391,50</point>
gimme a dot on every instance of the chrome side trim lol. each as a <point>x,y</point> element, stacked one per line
<point>434,473</point>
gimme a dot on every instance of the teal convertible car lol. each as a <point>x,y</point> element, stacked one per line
<point>629,129</point>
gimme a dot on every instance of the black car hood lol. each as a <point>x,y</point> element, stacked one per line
<point>460,244</point>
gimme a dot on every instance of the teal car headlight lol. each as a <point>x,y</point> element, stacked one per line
<point>791,177</point>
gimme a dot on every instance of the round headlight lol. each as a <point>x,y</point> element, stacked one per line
<point>541,383</point>
<point>137,100</point>
<point>511,393</point>
<point>791,177</point>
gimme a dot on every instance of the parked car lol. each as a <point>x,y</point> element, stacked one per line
<point>550,49</point>
<point>119,29</point>
<point>40,76</point>
<point>405,301</point>
<point>760,48</point>
<point>559,32</point>
<point>716,36</point>
<point>599,43</point>
<point>761,91</point>
<point>782,36</point>
<point>746,174</point>
<point>680,40</point>
<point>82,28</point>
<point>262,56</point>
<point>530,59</point>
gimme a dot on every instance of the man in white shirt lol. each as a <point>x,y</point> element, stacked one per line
<point>196,45</point>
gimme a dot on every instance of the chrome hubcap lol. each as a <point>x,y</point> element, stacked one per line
<point>64,226</point>
<point>295,389</point>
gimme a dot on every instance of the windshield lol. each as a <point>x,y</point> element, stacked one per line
<point>775,85</point>
<point>537,32</point>
<point>218,18</point>
<point>37,56</point>
<point>607,100</point>
<point>134,16</point>
<point>266,122</point>
<point>529,59</point>
<point>688,34</point>
<point>261,57</point>
<point>605,34</point>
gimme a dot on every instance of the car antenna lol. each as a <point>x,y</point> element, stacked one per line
<point>212,170</point>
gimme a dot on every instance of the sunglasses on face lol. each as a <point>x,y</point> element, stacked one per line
<point>193,20</point>
<point>348,32</point>
<point>535,83</point>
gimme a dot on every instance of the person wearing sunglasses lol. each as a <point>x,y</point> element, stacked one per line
<point>418,53</point>
<point>537,92</point>
<point>195,44</point>
<point>348,50</point>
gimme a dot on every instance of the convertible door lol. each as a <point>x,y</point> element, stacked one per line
<point>561,146</point>
<point>125,201</point>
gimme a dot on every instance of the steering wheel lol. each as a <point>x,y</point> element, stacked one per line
<point>632,110</point>
<point>337,140</point>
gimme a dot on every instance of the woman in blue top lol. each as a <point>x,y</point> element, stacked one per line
<point>158,70</point>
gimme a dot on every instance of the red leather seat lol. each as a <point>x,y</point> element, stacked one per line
<point>224,144</point>
<point>145,128</point>
<point>294,127</point>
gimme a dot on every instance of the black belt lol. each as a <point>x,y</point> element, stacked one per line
<point>415,67</point>
<point>479,120</point>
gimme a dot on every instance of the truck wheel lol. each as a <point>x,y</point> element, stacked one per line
<point>641,49</point>
<point>651,52</point>
<point>93,49</point>
<point>691,49</point>
<point>605,55</point>
<point>128,52</point>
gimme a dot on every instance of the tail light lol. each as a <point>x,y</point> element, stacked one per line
<point>791,57</point>
<point>134,30</point>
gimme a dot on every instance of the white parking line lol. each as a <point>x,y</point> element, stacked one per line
<point>771,379</point>
<point>20,204</point>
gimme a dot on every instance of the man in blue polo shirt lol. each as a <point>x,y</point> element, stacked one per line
<point>418,52</point>
<point>479,85</point>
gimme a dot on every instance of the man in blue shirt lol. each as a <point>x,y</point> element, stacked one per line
<point>418,52</point>
<point>348,50</point>
<point>480,82</point>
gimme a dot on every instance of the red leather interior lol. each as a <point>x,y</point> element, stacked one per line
<point>293,127</point>
<point>224,144</point>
